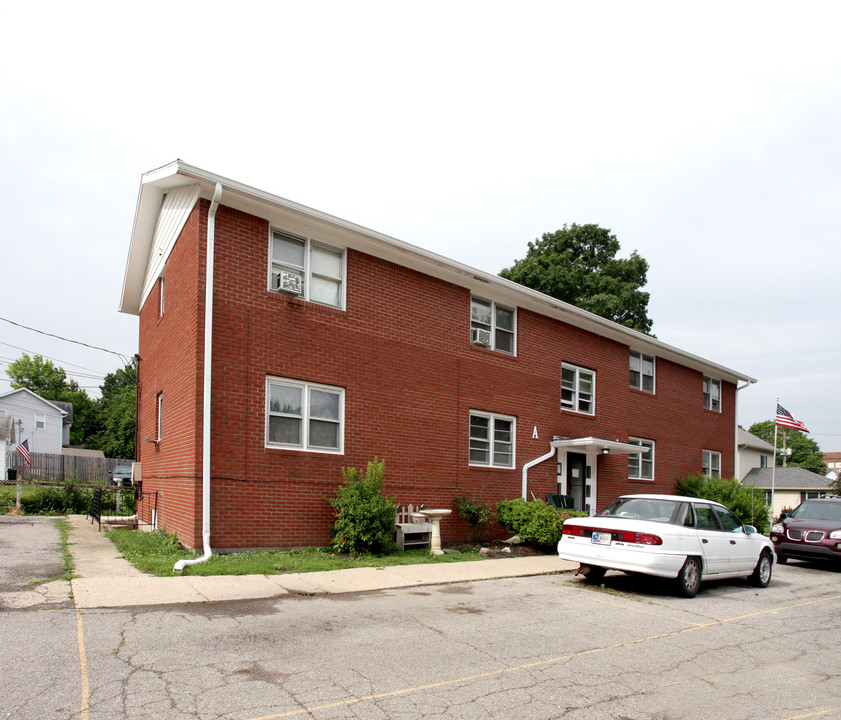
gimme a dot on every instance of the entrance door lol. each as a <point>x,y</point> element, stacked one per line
<point>577,478</point>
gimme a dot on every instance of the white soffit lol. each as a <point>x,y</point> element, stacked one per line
<point>175,209</point>
<point>599,445</point>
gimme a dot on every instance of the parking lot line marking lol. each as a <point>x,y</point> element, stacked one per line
<point>814,714</point>
<point>549,661</point>
<point>83,665</point>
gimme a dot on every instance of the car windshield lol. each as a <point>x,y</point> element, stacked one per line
<point>818,511</point>
<point>642,509</point>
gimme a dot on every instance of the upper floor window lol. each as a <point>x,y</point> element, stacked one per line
<point>711,463</point>
<point>712,394</point>
<point>40,422</point>
<point>578,389</point>
<point>642,371</point>
<point>161,303</point>
<point>492,325</point>
<point>307,269</point>
<point>492,439</point>
<point>641,467</point>
<point>304,416</point>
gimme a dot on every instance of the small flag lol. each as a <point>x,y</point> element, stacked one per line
<point>23,449</point>
<point>786,419</point>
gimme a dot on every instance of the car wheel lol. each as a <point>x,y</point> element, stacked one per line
<point>594,574</point>
<point>689,578</point>
<point>782,559</point>
<point>761,575</point>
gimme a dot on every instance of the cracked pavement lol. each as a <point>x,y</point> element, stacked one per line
<point>528,648</point>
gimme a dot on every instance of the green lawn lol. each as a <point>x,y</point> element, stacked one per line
<point>156,553</point>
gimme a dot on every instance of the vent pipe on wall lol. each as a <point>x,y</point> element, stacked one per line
<point>208,356</point>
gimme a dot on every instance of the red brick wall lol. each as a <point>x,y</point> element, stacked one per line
<point>401,350</point>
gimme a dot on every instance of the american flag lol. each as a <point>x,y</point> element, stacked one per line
<point>786,419</point>
<point>23,449</point>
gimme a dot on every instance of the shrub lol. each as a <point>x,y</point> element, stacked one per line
<point>535,522</point>
<point>475,513</point>
<point>364,515</point>
<point>747,503</point>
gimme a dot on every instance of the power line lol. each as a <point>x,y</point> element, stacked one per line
<point>59,337</point>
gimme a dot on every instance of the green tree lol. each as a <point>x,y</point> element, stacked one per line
<point>747,503</point>
<point>51,383</point>
<point>805,452</point>
<point>117,414</point>
<point>578,264</point>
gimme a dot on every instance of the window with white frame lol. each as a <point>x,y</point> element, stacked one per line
<point>641,467</point>
<point>40,422</point>
<point>304,416</point>
<point>159,415</point>
<point>578,389</point>
<point>712,394</point>
<point>161,303</point>
<point>307,269</point>
<point>711,463</point>
<point>492,439</point>
<point>642,371</point>
<point>492,325</point>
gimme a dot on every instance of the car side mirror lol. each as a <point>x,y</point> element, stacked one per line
<point>750,529</point>
<point>784,516</point>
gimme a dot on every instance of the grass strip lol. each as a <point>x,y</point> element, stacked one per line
<point>156,553</point>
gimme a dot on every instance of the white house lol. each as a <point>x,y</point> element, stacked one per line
<point>754,452</point>
<point>45,424</point>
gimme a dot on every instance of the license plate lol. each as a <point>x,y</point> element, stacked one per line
<point>601,538</point>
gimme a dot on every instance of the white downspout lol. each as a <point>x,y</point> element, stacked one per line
<point>531,464</point>
<point>208,355</point>
<point>736,460</point>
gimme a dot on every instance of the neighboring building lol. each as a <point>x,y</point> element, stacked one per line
<point>791,485</point>
<point>331,344</point>
<point>832,460</point>
<point>754,452</point>
<point>7,443</point>
<point>44,423</point>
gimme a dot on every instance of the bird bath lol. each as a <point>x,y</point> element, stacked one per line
<point>435,518</point>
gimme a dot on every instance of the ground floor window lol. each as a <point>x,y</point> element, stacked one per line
<point>304,416</point>
<point>711,463</point>
<point>491,439</point>
<point>641,467</point>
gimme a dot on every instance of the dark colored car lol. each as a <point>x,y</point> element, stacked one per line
<point>121,475</point>
<point>811,532</point>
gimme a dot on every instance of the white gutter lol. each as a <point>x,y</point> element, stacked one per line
<point>737,465</point>
<point>531,464</point>
<point>208,355</point>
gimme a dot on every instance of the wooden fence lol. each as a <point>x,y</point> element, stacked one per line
<point>49,468</point>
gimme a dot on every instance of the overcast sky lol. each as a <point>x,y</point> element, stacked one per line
<point>707,137</point>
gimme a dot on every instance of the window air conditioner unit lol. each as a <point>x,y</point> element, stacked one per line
<point>480,336</point>
<point>289,282</point>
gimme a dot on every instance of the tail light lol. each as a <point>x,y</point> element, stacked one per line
<point>649,539</point>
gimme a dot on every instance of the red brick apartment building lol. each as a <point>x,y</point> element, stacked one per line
<point>329,344</point>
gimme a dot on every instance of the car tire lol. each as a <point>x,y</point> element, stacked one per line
<point>689,577</point>
<point>594,574</point>
<point>761,575</point>
<point>782,559</point>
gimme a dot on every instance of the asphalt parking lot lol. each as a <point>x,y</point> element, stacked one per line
<point>537,647</point>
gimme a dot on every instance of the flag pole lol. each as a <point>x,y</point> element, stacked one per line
<point>774,464</point>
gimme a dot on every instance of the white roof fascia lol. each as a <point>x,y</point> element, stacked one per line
<point>295,217</point>
<point>599,445</point>
<point>36,396</point>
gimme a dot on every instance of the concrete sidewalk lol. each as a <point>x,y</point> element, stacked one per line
<point>108,580</point>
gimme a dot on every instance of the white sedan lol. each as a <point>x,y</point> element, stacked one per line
<point>668,536</point>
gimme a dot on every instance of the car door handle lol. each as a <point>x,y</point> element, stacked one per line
<point>732,542</point>
<point>705,541</point>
